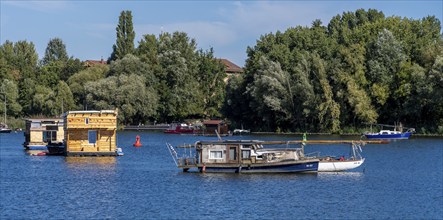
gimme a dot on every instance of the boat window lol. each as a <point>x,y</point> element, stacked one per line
<point>216,154</point>
<point>232,153</point>
<point>86,120</point>
<point>49,136</point>
<point>245,154</point>
<point>92,136</point>
<point>246,147</point>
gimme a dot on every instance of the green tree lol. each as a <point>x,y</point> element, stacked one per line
<point>129,93</point>
<point>211,75</point>
<point>180,97</point>
<point>27,97</point>
<point>10,91</point>
<point>272,92</point>
<point>235,106</point>
<point>55,51</point>
<point>386,58</point>
<point>125,37</point>
<point>77,83</point>
<point>63,99</point>
<point>43,101</point>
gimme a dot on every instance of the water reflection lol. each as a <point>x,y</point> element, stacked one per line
<point>36,152</point>
<point>90,160</point>
<point>348,175</point>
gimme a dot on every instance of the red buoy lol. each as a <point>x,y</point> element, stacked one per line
<point>137,142</point>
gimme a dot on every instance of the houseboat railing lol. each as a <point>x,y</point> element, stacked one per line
<point>173,153</point>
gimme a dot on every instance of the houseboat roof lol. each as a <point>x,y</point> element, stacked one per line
<point>212,122</point>
<point>43,119</point>
<point>92,112</point>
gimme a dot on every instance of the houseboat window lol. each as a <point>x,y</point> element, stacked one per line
<point>44,136</point>
<point>86,120</point>
<point>245,154</point>
<point>232,153</point>
<point>92,136</point>
<point>216,154</point>
<point>49,136</point>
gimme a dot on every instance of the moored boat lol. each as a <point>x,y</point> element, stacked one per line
<point>180,129</point>
<point>241,131</point>
<point>243,156</point>
<point>4,128</point>
<point>388,134</point>
<point>397,133</point>
<point>342,163</point>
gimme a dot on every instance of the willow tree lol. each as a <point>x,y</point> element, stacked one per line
<point>273,95</point>
<point>125,37</point>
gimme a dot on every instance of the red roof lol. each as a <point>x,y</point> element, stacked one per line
<point>231,67</point>
<point>94,62</point>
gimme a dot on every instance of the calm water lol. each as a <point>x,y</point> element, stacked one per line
<point>400,180</point>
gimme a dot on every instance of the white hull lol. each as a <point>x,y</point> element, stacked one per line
<point>336,165</point>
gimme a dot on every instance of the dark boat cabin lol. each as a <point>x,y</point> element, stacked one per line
<point>211,126</point>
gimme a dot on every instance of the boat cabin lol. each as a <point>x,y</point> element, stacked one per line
<point>40,132</point>
<point>212,127</point>
<point>91,133</point>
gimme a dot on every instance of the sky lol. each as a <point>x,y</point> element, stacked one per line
<point>87,28</point>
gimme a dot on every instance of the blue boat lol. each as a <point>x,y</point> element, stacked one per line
<point>243,156</point>
<point>388,134</point>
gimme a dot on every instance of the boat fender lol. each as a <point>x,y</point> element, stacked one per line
<point>39,154</point>
<point>204,169</point>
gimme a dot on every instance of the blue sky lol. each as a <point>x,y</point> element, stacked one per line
<point>88,27</point>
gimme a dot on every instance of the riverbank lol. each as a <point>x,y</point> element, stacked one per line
<point>342,134</point>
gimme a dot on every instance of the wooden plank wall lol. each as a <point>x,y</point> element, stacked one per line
<point>76,133</point>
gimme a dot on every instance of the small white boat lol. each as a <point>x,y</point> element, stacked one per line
<point>241,131</point>
<point>4,128</point>
<point>333,165</point>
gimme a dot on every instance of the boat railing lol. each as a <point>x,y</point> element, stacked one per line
<point>313,154</point>
<point>186,161</point>
<point>173,153</point>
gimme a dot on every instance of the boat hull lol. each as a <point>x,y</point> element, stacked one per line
<point>336,166</point>
<point>37,147</point>
<point>5,130</point>
<point>405,135</point>
<point>311,166</point>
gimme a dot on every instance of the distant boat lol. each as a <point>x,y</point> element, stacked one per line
<point>175,128</point>
<point>388,134</point>
<point>4,128</point>
<point>241,131</point>
<point>397,133</point>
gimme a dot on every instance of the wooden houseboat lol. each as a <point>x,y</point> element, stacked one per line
<point>244,156</point>
<point>91,133</point>
<point>212,127</point>
<point>40,132</point>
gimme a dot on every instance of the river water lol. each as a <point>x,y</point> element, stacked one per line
<point>399,180</point>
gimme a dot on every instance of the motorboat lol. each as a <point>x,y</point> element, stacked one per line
<point>243,156</point>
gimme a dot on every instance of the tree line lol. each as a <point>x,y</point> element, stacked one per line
<point>361,68</point>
